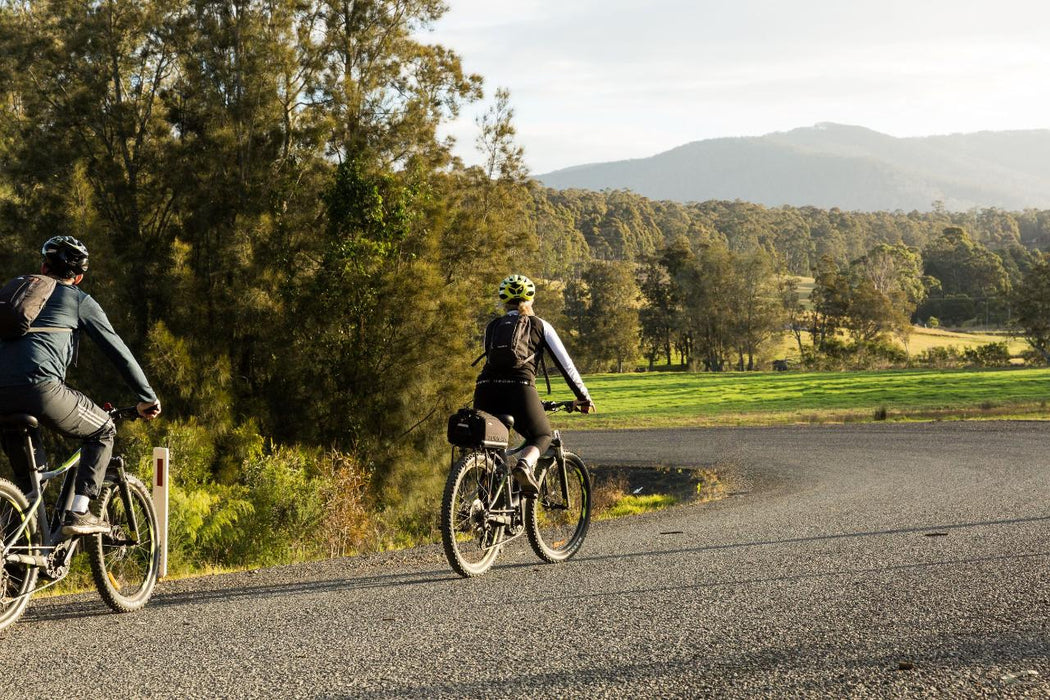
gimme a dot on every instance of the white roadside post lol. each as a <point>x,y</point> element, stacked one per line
<point>161,475</point>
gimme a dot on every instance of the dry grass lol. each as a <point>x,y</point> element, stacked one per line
<point>925,338</point>
<point>709,487</point>
<point>608,491</point>
<point>920,340</point>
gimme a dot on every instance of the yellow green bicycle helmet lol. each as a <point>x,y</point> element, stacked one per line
<point>516,288</point>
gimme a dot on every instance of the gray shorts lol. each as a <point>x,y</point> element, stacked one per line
<point>69,413</point>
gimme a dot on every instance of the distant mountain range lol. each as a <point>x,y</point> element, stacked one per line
<point>833,165</point>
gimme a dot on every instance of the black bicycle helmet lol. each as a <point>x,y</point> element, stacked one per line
<point>65,256</point>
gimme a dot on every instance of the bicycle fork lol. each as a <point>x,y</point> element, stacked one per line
<point>117,463</point>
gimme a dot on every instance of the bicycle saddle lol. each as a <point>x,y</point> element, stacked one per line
<point>507,420</point>
<point>18,420</point>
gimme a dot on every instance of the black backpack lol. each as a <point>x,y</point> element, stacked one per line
<point>508,346</point>
<point>21,300</point>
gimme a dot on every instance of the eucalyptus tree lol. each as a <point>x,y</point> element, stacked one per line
<point>90,133</point>
<point>1031,302</point>
<point>610,318</point>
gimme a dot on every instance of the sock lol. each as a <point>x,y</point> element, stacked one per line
<point>529,456</point>
<point>80,503</point>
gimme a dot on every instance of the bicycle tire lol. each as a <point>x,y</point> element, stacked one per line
<point>125,572</point>
<point>470,541</point>
<point>16,580</point>
<point>555,522</point>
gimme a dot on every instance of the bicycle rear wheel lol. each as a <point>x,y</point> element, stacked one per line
<point>557,520</point>
<point>470,539</point>
<point>125,562</point>
<point>16,580</point>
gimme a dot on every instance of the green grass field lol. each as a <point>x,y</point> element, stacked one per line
<point>664,399</point>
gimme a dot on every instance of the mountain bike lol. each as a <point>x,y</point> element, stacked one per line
<point>483,508</point>
<point>124,561</point>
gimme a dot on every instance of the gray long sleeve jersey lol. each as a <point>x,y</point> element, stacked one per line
<point>44,356</point>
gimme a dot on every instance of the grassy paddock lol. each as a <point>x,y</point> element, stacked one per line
<point>665,399</point>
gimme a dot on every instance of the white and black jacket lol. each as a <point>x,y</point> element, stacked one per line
<point>542,338</point>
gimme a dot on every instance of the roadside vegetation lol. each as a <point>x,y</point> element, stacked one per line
<point>285,238</point>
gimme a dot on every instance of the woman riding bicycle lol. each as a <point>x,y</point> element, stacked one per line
<point>514,346</point>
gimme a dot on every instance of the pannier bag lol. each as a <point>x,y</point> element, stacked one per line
<point>21,300</point>
<point>471,428</point>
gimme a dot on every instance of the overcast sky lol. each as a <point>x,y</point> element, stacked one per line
<point>600,80</point>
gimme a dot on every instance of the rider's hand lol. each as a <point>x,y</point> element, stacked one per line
<point>584,406</point>
<point>149,409</point>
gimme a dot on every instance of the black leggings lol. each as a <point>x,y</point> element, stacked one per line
<point>521,401</point>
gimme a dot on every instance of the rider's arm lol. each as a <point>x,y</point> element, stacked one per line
<point>94,322</point>
<point>564,363</point>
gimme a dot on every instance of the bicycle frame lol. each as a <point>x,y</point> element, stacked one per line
<point>49,532</point>
<point>499,459</point>
<point>504,502</point>
<point>49,525</point>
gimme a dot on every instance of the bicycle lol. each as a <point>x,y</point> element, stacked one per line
<point>483,509</point>
<point>124,562</point>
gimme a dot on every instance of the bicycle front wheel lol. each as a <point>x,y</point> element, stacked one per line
<point>16,579</point>
<point>125,562</point>
<point>557,520</point>
<point>470,537</point>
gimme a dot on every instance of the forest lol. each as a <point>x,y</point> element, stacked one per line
<point>303,267</point>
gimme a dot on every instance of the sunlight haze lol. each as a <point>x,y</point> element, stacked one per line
<point>598,81</point>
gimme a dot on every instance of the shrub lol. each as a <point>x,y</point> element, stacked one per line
<point>204,525</point>
<point>988,355</point>
<point>943,357</point>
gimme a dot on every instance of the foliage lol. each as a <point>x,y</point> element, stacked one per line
<point>282,235</point>
<point>608,334</point>
<point>1032,303</point>
<point>276,228</point>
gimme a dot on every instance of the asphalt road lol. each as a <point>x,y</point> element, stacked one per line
<point>873,560</point>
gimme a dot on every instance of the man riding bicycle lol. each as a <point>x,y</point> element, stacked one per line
<point>514,346</point>
<point>33,371</point>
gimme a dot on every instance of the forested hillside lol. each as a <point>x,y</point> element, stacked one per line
<point>304,269</point>
<point>832,165</point>
<point>711,285</point>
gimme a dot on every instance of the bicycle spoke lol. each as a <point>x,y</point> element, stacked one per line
<point>559,518</point>
<point>125,566</point>
<point>469,536</point>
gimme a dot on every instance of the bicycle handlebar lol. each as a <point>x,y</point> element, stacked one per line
<point>126,413</point>
<point>555,406</point>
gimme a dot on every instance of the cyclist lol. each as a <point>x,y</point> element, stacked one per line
<point>514,346</point>
<point>33,371</point>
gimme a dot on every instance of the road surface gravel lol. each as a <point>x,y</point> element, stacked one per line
<point>879,560</point>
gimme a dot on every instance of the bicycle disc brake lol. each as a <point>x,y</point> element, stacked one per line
<point>57,561</point>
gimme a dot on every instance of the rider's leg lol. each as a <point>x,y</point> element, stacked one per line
<point>530,421</point>
<point>74,415</point>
